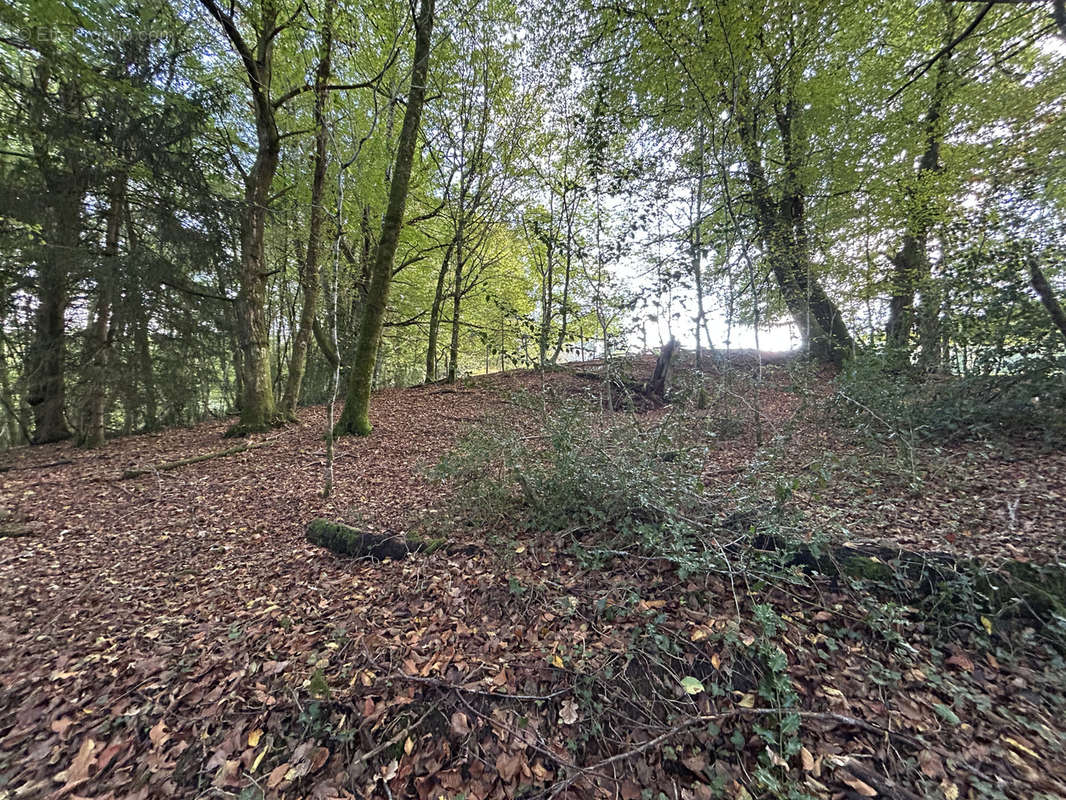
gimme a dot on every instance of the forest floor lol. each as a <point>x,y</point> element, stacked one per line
<point>174,635</point>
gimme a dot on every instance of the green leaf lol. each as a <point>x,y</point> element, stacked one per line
<point>691,685</point>
<point>946,713</point>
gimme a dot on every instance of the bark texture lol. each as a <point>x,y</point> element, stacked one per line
<point>257,407</point>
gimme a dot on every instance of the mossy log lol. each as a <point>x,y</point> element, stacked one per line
<point>345,540</point>
<point>1014,589</point>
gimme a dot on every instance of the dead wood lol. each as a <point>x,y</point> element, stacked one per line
<point>184,462</point>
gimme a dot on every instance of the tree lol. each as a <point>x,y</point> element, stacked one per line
<point>309,279</point>
<point>257,408</point>
<point>355,419</point>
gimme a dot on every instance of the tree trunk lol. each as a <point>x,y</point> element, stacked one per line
<point>911,265</point>
<point>45,384</point>
<point>356,417</point>
<point>253,326</point>
<point>569,210</point>
<point>66,184</point>
<point>697,250</point>
<point>782,228</point>
<point>547,300</point>
<point>94,428</point>
<point>1047,295</point>
<point>16,433</point>
<point>660,377</point>
<point>457,297</point>
<point>257,409</point>
<point>434,316</point>
<point>309,280</point>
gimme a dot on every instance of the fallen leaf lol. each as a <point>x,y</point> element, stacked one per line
<point>277,775</point>
<point>158,733</point>
<point>508,765</point>
<point>691,685</point>
<point>960,660</point>
<point>930,764</point>
<point>460,724</point>
<point>860,787</point>
<point>78,771</point>
<point>568,714</point>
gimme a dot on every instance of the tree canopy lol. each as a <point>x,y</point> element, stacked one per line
<point>199,200</point>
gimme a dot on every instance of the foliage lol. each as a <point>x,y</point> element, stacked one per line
<point>611,482</point>
<point>907,408</point>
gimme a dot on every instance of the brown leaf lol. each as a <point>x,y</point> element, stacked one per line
<point>460,724</point>
<point>509,765</point>
<point>695,763</point>
<point>78,771</point>
<point>960,660</point>
<point>158,733</point>
<point>930,764</point>
<point>865,789</point>
<point>277,775</point>
<point>229,774</point>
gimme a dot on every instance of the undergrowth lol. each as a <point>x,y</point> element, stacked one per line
<point>1028,402</point>
<point>737,688</point>
<point>611,484</point>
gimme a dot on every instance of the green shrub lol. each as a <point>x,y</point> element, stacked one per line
<point>613,481</point>
<point>1027,402</point>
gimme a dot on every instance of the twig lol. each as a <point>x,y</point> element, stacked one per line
<point>480,692</point>
<point>694,722</point>
<point>184,462</point>
<point>393,741</point>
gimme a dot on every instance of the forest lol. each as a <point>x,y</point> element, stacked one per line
<point>557,400</point>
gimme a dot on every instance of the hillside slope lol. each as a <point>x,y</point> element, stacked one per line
<point>173,635</point>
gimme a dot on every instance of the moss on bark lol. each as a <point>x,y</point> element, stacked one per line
<point>348,541</point>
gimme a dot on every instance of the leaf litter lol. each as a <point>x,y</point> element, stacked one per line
<point>175,636</point>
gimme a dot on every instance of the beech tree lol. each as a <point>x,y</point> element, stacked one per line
<point>172,176</point>
<point>355,419</point>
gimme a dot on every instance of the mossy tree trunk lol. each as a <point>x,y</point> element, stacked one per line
<point>356,416</point>
<point>257,408</point>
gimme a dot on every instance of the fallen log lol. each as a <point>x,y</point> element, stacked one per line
<point>345,540</point>
<point>184,462</point>
<point>1013,590</point>
<point>15,531</point>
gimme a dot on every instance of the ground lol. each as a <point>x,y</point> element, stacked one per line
<point>174,635</point>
